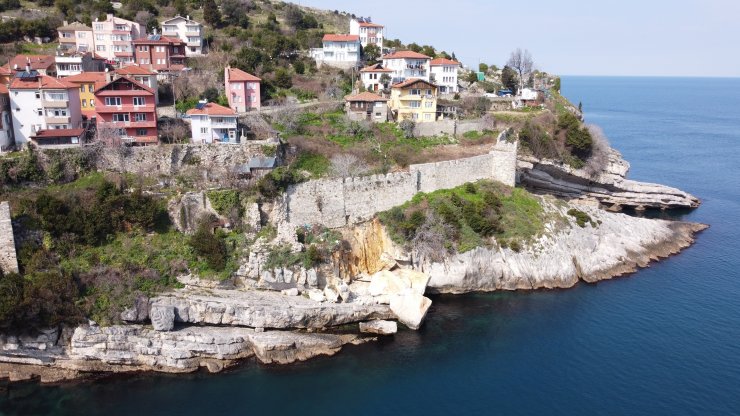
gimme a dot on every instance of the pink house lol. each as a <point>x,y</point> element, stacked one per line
<point>242,89</point>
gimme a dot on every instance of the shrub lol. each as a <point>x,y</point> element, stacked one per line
<point>208,246</point>
<point>407,128</point>
<point>581,217</point>
<point>225,201</point>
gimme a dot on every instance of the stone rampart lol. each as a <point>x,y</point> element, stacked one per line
<point>8,259</point>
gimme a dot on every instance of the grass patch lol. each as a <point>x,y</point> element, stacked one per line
<point>315,164</point>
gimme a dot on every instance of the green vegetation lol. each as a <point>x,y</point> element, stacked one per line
<point>466,217</point>
<point>315,164</point>
<point>225,201</point>
<point>581,217</point>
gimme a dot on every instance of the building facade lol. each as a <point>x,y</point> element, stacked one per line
<point>7,139</point>
<point>113,38</point>
<point>88,83</point>
<point>213,123</point>
<point>414,99</point>
<point>366,106</point>
<point>370,33</point>
<point>242,90</point>
<point>126,113</point>
<point>444,74</point>
<point>40,102</point>
<point>339,51</point>
<point>372,77</point>
<point>73,63</point>
<point>141,75</point>
<point>160,53</point>
<point>406,65</point>
<point>188,31</point>
<point>76,37</point>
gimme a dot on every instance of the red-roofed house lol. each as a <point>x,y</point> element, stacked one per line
<point>414,99</point>
<point>372,77</point>
<point>43,64</point>
<point>59,138</point>
<point>213,123</point>
<point>340,51</point>
<point>444,74</point>
<point>242,90</point>
<point>370,33</point>
<point>88,83</point>
<point>40,102</point>
<point>407,64</point>
<point>142,76</point>
<point>160,53</point>
<point>366,106</point>
<point>126,112</point>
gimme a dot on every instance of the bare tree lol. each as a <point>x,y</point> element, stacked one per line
<point>111,140</point>
<point>429,243</point>
<point>600,151</point>
<point>522,62</point>
<point>344,165</point>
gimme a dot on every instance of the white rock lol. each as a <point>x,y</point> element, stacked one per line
<point>410,308</point>
<point>316,295</point>
<point>290,292</point>
<point>163,317</point>
<point>387,283</point>
<point>379,327</point>
<point>331,295</point>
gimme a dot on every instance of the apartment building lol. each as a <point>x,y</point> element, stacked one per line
<point>141,75</point>
<point>160,53</point>
<point>414,99</point>
<point>76,36</point>
<point>444,74</point>
<point>406,65</point>
<point>113,38</point>
<point>370,33</point>
<point>213,123</point>
<point>339,51</point>
<point>372,77</point>
<point>126,113</point>
<point>242,90</point>
<point>88,83</point>
<point>188,31</point>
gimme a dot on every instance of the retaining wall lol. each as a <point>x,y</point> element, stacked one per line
<point>8,259</point>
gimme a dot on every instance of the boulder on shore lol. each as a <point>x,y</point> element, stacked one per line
<point>379,327</point>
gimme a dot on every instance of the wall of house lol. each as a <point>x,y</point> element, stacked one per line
<point>27,117</point>
<point>8,259</point>
<point>346,201</point>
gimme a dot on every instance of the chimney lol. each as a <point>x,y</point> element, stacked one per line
<point>28,65</point>
<point>65,23</point>
<point>187,17</point>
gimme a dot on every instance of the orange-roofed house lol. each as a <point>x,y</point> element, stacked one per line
<point>142,76</point>
<point>414,99</point>
<point>372,77</point>
<point>40,102</point>
<point>242,90</point>
<point>160,53</point>
<point>444,74</point>
<point>88,83</point>
<point>370,33</point>
<point>339,51</point>
<point>126,113</point>
<point>213,123</point>
<point>43,64</point>
<point>366,106</point>
<point>407,64</point>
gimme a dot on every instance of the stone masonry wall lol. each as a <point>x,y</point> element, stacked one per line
<point>8,259</point>
<point>448,127</point>
<point>346,201</point>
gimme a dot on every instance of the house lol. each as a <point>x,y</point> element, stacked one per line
<point>76,37</point>
<point>88,83</point>
<point>372,77</point>
<point>339,51</point>
<point>444,74</point>
<point>370,33</point>
<point>59,138</point>
<point>213,123</point>
<point>114,37</point>
<point>256,167</point>
<point>414,99</point>
<point>7,139</point>
<point>407,64</point>
<point>160,53</point>
<point>126,112</point>
<point>242,90</point>
<point>366,106</point>
<point>74,63</point>
<point>530,97</point>
<point>188,31</point>
<point>40,102</point>
<point>43,64</point>
<point>141,75</point>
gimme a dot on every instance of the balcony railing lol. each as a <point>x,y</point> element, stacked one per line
<point>57,120</point>
<point>55,103</point>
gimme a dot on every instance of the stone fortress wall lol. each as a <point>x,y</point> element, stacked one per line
<point>8,259</point>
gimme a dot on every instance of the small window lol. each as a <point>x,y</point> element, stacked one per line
<point>138,101</point>
<point>84,103</point>
<point>141,132</point>
<point>37,94</point>
<point>204,130</point>
<point>92,103</point>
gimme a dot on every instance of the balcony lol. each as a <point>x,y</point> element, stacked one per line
<point>198,43</point>
<point>123,53</point>
<point>170,33</point>
<point>130,124</point>
<point>55,103</point>
<point>192,33</point>
<point>223,125</point>
<point>56,120</point>
<point>125,108</point>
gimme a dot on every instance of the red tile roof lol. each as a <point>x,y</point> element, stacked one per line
<point>5,70</point>
<point>443,61</point>
<point>365,96</point>
<point>341,38</point>
<point>98,89</point>
<point>159,40</point>
<point>134,70</point>
<point>406,55</point>
<point>375,68</point>
<point>370,24</point>
<point>41,82</point>
<point>3,89</point>
<point>36,62</point>
<point>86,77</point>
<point>236,74</point>
<point>52,133</point>
<point>212,109</point>
<point>411,81</point>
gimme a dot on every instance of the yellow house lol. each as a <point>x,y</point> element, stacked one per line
<point>414,99</point>
<point>87,83</point>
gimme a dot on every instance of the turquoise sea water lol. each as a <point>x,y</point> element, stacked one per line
<point>664,341</point>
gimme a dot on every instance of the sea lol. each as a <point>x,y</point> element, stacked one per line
<point>662,341</point>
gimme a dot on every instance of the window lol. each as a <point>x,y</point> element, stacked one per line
<point>139,101</point>
<point>37,94</point>
<point>81,35</point>
<point>39,112</point>
<point>141,132</point>
<point>91,88</point>
<point>415,104</point>
<point>92,103</point>
<point>204,130</point>
<point>84,103</point>
<point>427,116</point>
<point>143,61</point>
<point>112,100</point>
<point>99,37</point>
<point>415,92</point>
<point>429,92</point>
<point>100,48</point>
<point>99,27</point>
<point>60,113</point>
<point>143,48</point>
<point>82,88</point>
<point>140,117</point>
<point>428,104</point>
<point>120,117</point>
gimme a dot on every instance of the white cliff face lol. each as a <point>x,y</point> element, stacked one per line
<point>610,187</point>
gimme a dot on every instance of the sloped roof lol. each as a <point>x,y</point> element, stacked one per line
<point>370,24</point>
<point>35,61</point>
<point>365,96</point>
<point>178,17</point>
<point>3,89</point>
<point>236,74</point>
<point>122,92</point>
<point>212,109</point>
<point>75,26</point>
<point>443,61</point>
<point>40,82</point>
<point>158,40</point>
<point>53,133</point>
<point>133,70</point>
<point>375,68</point>
<point>86,77</point>
<point>406,55</point>
<point>411,81</point>
<point>341,38</point>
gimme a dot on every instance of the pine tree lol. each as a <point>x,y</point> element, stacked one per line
<point>211,14</point>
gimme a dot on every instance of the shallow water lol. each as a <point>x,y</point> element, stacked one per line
<point>665,340</point>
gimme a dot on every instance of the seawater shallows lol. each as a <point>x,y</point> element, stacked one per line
<point>664,341</point>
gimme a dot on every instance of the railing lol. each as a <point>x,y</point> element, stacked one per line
<point>57,120</point>
<point>55,103</point>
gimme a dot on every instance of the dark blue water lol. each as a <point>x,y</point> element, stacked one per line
<point>665,341</point>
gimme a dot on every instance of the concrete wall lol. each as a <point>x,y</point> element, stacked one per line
<point>448,127</point>
<point>8,259</point>
<point>345,201</point>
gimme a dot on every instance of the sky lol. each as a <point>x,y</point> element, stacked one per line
<point>569,37</point>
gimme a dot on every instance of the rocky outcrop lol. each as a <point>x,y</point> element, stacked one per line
<point>379,327</point>
<point>611,188</point>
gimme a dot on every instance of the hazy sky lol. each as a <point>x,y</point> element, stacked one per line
<point>569,37</point>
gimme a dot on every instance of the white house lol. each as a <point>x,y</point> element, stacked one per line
<point>407,64</point>
<point>188,30</point>
<point>370,33</point>
<point>114,38</point>
<point>372,77</point>
<point>40,102</point>
<point>444,74</point>
<point>213,123</point>
<point>340,51</point>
